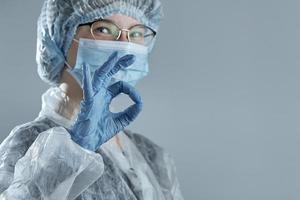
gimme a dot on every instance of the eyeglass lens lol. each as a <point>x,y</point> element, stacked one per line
<point>106,30</point>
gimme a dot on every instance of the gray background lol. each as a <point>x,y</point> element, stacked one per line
<point>222,96</point>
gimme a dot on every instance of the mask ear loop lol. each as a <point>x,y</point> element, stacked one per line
<point>76,40</point>
<point>68,65</point>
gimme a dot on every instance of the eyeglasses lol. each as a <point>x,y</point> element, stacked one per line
<point>105,29</point>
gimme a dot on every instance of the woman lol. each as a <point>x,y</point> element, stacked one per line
<point>89,51</point>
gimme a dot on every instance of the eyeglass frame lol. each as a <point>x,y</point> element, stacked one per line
<point>120,29</point>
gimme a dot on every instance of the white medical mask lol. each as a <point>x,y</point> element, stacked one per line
<point>94,53</point>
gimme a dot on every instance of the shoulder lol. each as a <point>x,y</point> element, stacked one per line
<point>155,155</point>
<point>144,144</point>
<point>22,136</point>
<point>32,128</point>
<point>160,161</point>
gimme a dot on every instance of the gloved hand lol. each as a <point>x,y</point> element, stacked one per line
<point>95,123</point>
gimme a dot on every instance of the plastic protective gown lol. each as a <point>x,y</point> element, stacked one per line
<point>38,160</point>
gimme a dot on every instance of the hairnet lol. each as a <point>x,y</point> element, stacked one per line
<point>59,20</point>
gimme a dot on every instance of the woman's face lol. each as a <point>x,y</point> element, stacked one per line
<point>123,21</point>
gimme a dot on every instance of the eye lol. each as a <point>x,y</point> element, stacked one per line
<point>136,34</point>
<point>103,30</point>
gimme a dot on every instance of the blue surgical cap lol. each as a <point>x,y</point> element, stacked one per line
<point>59,19</point>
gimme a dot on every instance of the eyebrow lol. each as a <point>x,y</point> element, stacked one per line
<point>103,19</point>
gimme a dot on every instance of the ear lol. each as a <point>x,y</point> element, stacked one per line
<point>72,54</point>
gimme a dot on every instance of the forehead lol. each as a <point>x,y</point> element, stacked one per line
<point>123,20</point>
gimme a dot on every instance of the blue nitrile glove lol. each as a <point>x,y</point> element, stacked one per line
<point>95,123</point>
